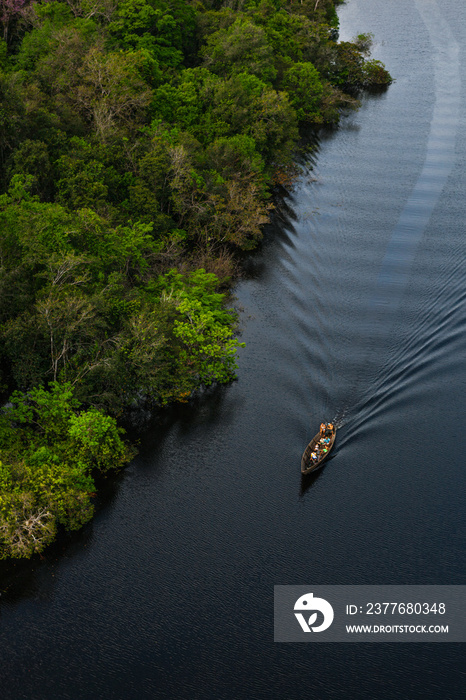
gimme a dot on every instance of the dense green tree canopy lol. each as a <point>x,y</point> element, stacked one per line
<point>139,144</point>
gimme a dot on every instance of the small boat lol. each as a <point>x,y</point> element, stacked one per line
<point>308,466</point>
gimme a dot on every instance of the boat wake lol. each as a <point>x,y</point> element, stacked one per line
<point>434,328</point>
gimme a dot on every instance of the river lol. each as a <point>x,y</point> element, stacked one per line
<point>354,309</point>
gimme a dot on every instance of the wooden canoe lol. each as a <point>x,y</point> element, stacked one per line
<point>307,465</point>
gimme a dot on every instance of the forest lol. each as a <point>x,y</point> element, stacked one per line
<point>141,144</point>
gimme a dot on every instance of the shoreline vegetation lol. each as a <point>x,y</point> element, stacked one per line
<point>140,145</point>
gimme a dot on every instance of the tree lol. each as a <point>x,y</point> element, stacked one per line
<point>32,158</point>
<point>164,29</point>
<point>241,47</point>
<point>149,193</point>
<point>48,449</point>
<point>10,12</point>
<point>235,157</point>
<point>12,113</point>
<point>303,85</point>
<point>248,106</point>
<point>111,93</point>
<point>81,178</point>
<point>187,102</point>
<point>208,347</point>
<point>376,76</point>
<point>93,8</point>
<point>95,440</point>
<point>215,210</point>
<point>25,528</point>
<point>67,319</point>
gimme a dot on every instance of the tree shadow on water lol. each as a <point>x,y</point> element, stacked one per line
<point>35,578</point>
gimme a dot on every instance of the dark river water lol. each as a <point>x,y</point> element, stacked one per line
<point>354,310</point>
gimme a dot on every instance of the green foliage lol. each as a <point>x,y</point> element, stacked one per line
<point>32,158</point>
<point>149,192</point>
<point>55,43</point>
<point>6,480</point>
<point>164,29</point>
<point>268,116</point>
<point>208,346</point>
<point>364,43</point>
<point>12,112</point>
<point>111,92</point>
<point>95,440</point>
<point>376,75</point>
<point>169,349</point>
<point>236,158</point>
<point>188,103</point>
<point>48,450</point>
<point>303,84</point>
<point>30,230</point>
<point>3,54</point>
<point>352,72</point>
<point>288,34</point>
<point>241,47</point>
<point>198,286</point>
<point>211,108</point>
<point>81,183</point>
<point>43,413</point>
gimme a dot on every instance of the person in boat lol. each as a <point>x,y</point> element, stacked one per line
<point>322,429</point>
